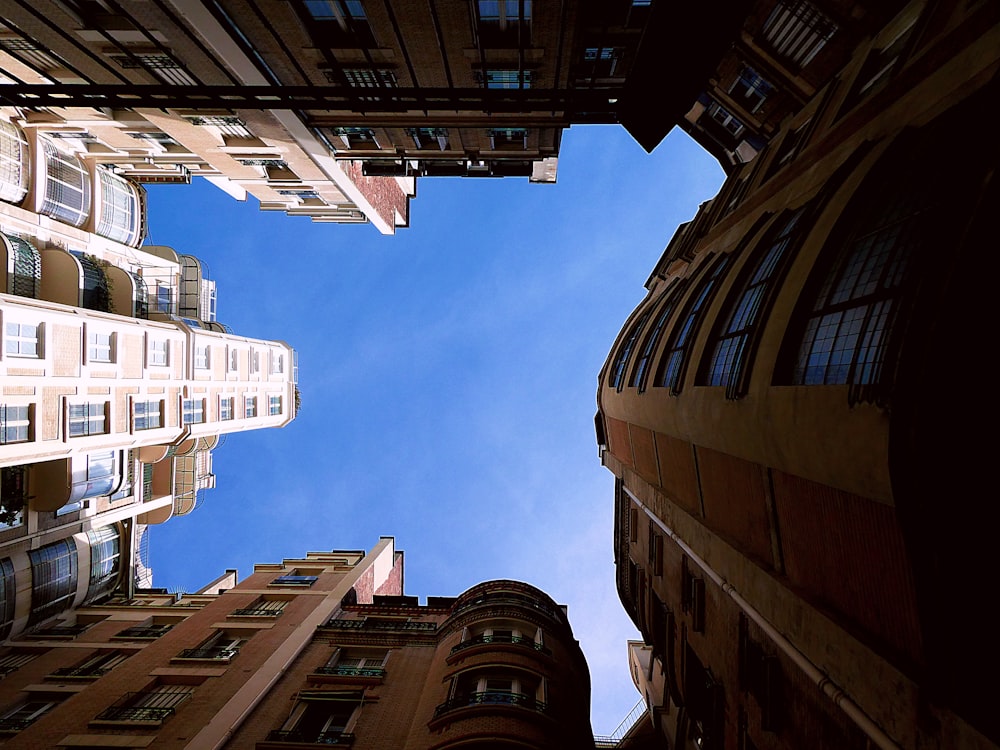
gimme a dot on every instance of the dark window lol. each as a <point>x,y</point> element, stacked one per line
<point>504,78</point>
<point>678,347</point>
<point>733,343</point>
<point>641,370</point>
<point>508,139</point>
<point>797,30</point>
<point>617,375</point>
<point>320,717</point>
<point>8,594</point>
<point>429,137</point>
<point>504,23</point>
<point>602,62</point>
<point>294,580</point>
<point>161,66</point>
<point>750,89</point>
<point>53,579</point>
<point>341,23</point>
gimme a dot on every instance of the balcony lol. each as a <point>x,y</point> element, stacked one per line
<point>343,739</point>
<point>60,632</point>
<point>213,653</point>
<point>131,711</point>
<point>346,671</point>
<point>20,267</point>
<point>513,640</point>
<point>382,625</point>
<point>142,632</point>
<point>491,698</point>
<point>78,673</point>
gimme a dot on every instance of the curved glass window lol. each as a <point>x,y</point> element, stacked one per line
<point>105,550</point>
<point>675,356</point>
<point>67,187</point>
<point>847,329</point>
<point>618,369</point>
<point>7,596</point>
<point>733,341</point>
<point>14,163</point>
<point>642,365</point>
<point>119,218</point>
<point>54,570</point>
<point>24,267</point>
<point>98,474</point>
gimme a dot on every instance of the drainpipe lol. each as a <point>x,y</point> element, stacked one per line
<point>827,686</point>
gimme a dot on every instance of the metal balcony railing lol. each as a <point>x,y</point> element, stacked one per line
<point>605,742</point>
<point>142,632</point>
<point>258,611</point>
<point>509,597</point>
<point>516,640</point>
<point>345,671</point>
<point>136,713</point>
<point>380,625</point>
<point>488,697</point>
<point>80,672</point>
<point>60,631</point>
<point>215,654</point>
<point>316,738</point>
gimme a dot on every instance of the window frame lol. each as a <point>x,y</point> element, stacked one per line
<point>98,351</point>
<point>95,421</point>
<point>22,340</point>
<point>158,352</point>
<point>193,411</point>
<point>148,407</point>
<point>19,418</point>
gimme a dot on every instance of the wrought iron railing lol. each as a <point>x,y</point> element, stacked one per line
<point>496,698</point>
<point>136,713</point>
<point>143,631</point>
<point>216,654</point>
<point>346,671</point>
<point>516,640</point>
<point>509,597</point>
<point>316,738</point>
<point>60,631</point>
<point>80,672</point>
<point>381,625</point>
<point>256,611</point>
<point>16,723</point>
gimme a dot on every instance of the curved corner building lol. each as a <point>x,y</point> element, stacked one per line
<point>801,529</point>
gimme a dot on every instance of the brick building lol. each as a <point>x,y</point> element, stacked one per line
<point>319,650</point>
<point>799,531</point>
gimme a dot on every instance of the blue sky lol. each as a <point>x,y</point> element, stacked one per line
<point>448,379</point>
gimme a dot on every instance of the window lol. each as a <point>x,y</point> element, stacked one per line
<point>255,362</point>
<point>277,363</point>
<point>23,340</point>
<point>87,419</point>
<point>508,139</point>
<point>24,714</point>
<point>675,355</point>
<point>91,668</point>
<point>750,89</point>
<point>249,407</point>
<point>67,187</point>
<point>261,608</point>
<point>120,218</point>
<point>227,124</point>
<point>725,119</point>
<point>8,597</point>
<point>97,473</point>
<point>797,30</point>
<point>504,23</point>
<point>602,62</point>
<point>201,357</point>
<point>14,661</point>
<point>693,596</point>
<point>321,717</point>
<point>164,300</point>
<point>159,352</point>
<point>161,66</point>
<point>234,360</point>
<point>654,550</point>
<point>274,405</point>
<point>221,646</point>
<point>370,78</point>
<point>153,706</point>
<point>353,137</point>
<point>495,687</point>
<point>294,580</point>
<point>15,424</point>
<point>147,415</point>
<point>225,409</point>
<point>348,24</point>
<point>356,662</point>
<point>506,78</point>
<point>105,551</point>
<point>617,375</point>
<point>99,347</point>
<point>513,633</point>
<point>429,137</point>
<point>53,579</point>
<point>193,411</point>
<point>653,339</point>
<point>727,365</point>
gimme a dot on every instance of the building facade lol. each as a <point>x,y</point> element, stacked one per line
<point>319,650</point>
<point>798,530</point>
<point>116,378</point>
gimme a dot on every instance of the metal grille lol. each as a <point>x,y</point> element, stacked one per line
<point>14,163</point>
<point>798,31</point>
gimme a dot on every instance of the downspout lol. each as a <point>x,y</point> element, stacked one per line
<point>827,686</point>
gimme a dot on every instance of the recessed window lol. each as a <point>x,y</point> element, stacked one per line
<point>201,356</point>
<point>147,707</point>
<point>234,360</point>
<point>147,415</point>
<point>508,139</point>
<point>23,340</point>
<point>344,22</point>
<point>294,580</point>
<point>320,717</point>
<point>159,352</point>
<point>87,419</point>
<point>15,424</point>
<point>750,89</point>
<point>54,571</point>
<point>249,407</point>
<point>725,119</point>
<point>193,411</point>
<point>274,405</point>
<point>733,343</point>
<point>602,62</point>
<point>504,23</point>
<point>226,411</point>
<point>504,78</point>
<point>425,138</point>
<point>24,714</point>
<point>674,361</point>
<point>277,363</point>
<point>369,78</point>
<point>255,362</point>
<point>356,662</point>
<point>99,347</point>
<point>221,646</point>
<point>617,375</point>
<point>797,30</point>
<point>641,371</point>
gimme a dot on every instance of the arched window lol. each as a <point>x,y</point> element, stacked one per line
<point>617,375</point>
<point>641,371</point>
<point>674,360</point>
<point>732,343</point>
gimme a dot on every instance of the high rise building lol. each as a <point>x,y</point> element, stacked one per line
<point>800,532</point>
<point>116,378</point>
<point>319,650</point>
